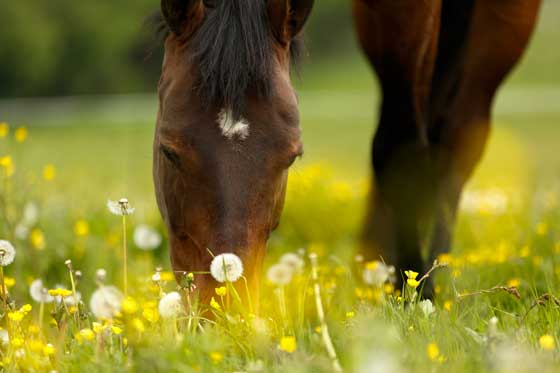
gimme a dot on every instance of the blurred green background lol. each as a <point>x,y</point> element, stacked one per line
<point>80,76</point>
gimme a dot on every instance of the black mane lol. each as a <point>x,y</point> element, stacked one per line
<point>233,53</point>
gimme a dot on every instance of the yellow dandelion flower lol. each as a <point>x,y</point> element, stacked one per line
<point>288,344</point>
<point>97,327</point>
<point>138,324</point>
<point>26,308</point>
<point>81,228</point>
<point>318,329</point>
<point>72,310</point>
<point>9,282</point>
<point>216,357</point>
<point>221,291</point>
<point>49,350</point>
<point>15,316</point>
<point>17,342</point>
<point>215,304</point>
<point>412,283</point>
<point>20,135</point>
<point>388,288</point>
<point>444,258</point>
<point>7,164</point>
<point>350,314</point>
<point>542,229</point>
<point>4,130</point>
<point>372,265</point>
<point>35,345</point>
<point>432,351</point>
<point>116,330</point>
<point>167,276</point>
<point>547,342</point>
<point>129,305</point>
<point>87,334</point>
<point>447,305</point>
<point>37,239</point>
<point>49,172</point>
<point>411,275</point>
<point>150,314</point>
<point>513,283</point>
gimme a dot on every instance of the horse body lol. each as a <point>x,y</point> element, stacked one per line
<point>439,64</point>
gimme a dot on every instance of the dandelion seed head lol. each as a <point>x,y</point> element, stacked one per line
<point>120,207</point>
<point>106,302</point>
<point>427,307</point>
<point>101,275</point>
<point>294,261</point>
<point>170,305</point>
<point>7,253</point>
<point>146,238</point>
<point>226,267</point>
<point>39,292</point>
<point>376,273</point>
<point>280,274</point>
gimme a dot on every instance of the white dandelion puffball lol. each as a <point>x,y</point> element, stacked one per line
<point>21,231</point>
<point>120,207</point>
<point>170,305</point>
<point>105,302</point>
<point>226,267</point>
<point>294,261</point>
<point>30,214</point>
<point>39,292</point>
<point>4,336</point>
<point>427,307</point>
<point>376,273</point>
<point>146,238</point>
<point>280,274</point>
<point>7,253</point>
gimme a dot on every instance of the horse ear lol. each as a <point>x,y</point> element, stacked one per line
<point>175,13</point>
<point>288,17</point>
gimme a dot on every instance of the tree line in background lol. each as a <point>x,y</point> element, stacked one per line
<point>63,47</point>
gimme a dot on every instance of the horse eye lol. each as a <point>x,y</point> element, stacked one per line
<point>170,155</point>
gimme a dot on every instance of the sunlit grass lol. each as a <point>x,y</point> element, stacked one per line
<point>496,306</point>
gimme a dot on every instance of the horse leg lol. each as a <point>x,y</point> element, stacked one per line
<point>499,33</point>
<point>399,38</point>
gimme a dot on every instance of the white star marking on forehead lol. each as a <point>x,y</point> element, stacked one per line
<point>231,128</point>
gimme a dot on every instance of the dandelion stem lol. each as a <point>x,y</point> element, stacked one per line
<point>41,312</point>
<point>248,294</point>
<point>3,285</point>
<point>321,314</point>
<point>125,269</point>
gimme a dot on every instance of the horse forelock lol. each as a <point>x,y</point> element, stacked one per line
<point>232,53</point>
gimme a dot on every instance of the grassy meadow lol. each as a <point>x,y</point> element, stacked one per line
<point>497,306</point>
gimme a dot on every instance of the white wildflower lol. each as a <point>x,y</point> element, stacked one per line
<point>226,267</point>
<point>294,261</point>
<point>7,253</point>
<point>377,273</point>
<point>279,274</point>
<point>21,232</point>
<point>146,238</point>
<point>170,305</point>
<point>4,336</point>
<point>427,307</point>
<point>120,207</point>
<point>39,293</point>
<point>105,302</point>
<point>30,214</point>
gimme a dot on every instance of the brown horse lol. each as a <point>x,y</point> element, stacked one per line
<point>227,128</point>
<point>440,63</point>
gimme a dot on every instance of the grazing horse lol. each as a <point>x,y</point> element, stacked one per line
<point>227,128</point>
<point>439,63</point>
